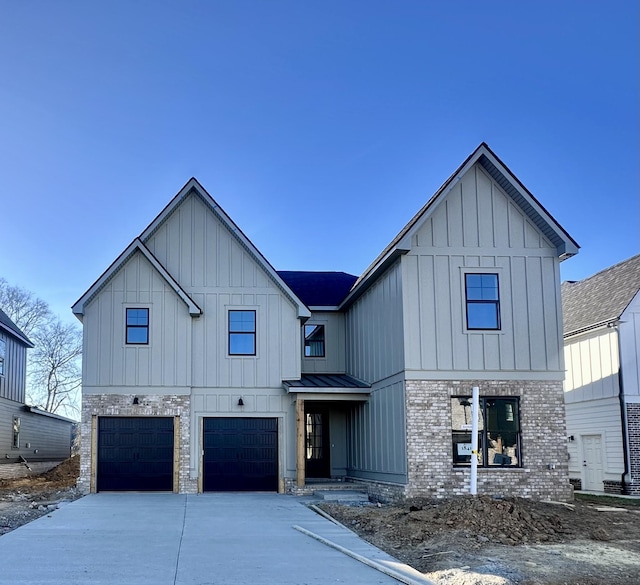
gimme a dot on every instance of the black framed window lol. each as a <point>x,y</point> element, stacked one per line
<point>499,435</point>
<point>137,326</point>
<point>3,352</point>
<point>314,341</point>
<point>15,442</point>
<point>242,333</point>
<point>483,301</point>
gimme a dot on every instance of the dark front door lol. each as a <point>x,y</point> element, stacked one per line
<point>135,454</point>
<point>318,464</point>
<point>240,454</point>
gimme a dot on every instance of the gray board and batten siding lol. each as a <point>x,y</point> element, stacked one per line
<point>42,437</point>
<point>12,382</point>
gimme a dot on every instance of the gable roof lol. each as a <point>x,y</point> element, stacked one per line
<point>601,298</point>
<point>109,273</point>
<point>319,289</point>
<point>565,245</point>
<point>8,326</point>
<point>192,187</point>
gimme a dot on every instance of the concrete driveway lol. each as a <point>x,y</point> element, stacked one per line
<point>208,539</point>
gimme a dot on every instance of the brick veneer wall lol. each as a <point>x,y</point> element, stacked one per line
<point>149,405</point>
<point>544,441</point>
<point>633,427</point>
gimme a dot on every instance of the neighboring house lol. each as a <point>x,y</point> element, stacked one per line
<point>602,389</point>
<point>205,369</point>
<point>30,439</point>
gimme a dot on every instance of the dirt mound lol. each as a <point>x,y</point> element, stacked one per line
<point>65,474</point>
<point>510,521</point>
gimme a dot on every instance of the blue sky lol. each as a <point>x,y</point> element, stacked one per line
<point>320,127</point>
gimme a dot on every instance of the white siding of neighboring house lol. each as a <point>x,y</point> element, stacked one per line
<point>630,350</point>
<point>591,399</point>
<point>109,364</point>
<point>476,227</point>
<point>334,361</point>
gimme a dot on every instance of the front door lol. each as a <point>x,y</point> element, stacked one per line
<point>318,464</point>
<point>592,463</point>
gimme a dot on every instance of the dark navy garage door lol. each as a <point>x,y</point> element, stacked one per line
<point>135,454</point>
<point>240,454</point>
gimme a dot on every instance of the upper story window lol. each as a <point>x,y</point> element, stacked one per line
<point>314,341</point>
<point>137,326</point>
<point>483,301</point>
<point>3,351</point>
<point>499,436</point>
<point>242,333</point>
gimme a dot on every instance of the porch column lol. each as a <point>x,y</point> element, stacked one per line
<point>300,434</point>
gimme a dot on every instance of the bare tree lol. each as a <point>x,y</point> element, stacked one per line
<point>29,313</point>
<point>53,370</point>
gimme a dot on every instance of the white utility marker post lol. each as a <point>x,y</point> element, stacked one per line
<point>475,407</point>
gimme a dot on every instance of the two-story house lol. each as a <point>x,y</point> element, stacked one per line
<point>205,369</point>
<point>31,439</point>
<point>602,387</point>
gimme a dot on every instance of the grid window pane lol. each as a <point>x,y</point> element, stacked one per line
<point>242,321</point>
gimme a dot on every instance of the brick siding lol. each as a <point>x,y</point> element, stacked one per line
<point>633,426</point>
<point>149,405</point>
<point>542,424</point>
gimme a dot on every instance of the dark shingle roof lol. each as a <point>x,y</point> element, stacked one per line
<point>319,289</point>
<point>10,327</point>
<point>601,298</point>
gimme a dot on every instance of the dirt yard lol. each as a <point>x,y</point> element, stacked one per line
<point>482,541</point>
<point>462,541</point>
<point>25,499</point>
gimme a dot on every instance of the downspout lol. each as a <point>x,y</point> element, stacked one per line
<point>623,411</point>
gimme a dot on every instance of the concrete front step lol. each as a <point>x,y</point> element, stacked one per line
<point>336,495</point>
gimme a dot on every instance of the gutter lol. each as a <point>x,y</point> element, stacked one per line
<point>623,414</point>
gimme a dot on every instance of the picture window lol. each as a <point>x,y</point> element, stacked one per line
<point>499,435</point>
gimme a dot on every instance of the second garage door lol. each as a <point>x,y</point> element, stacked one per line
<point>240,454</point>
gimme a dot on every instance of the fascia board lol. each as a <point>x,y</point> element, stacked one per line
<point>16,335</point>
<point>569,246</point>
<point>194,309</point>
<point>135,246</point>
